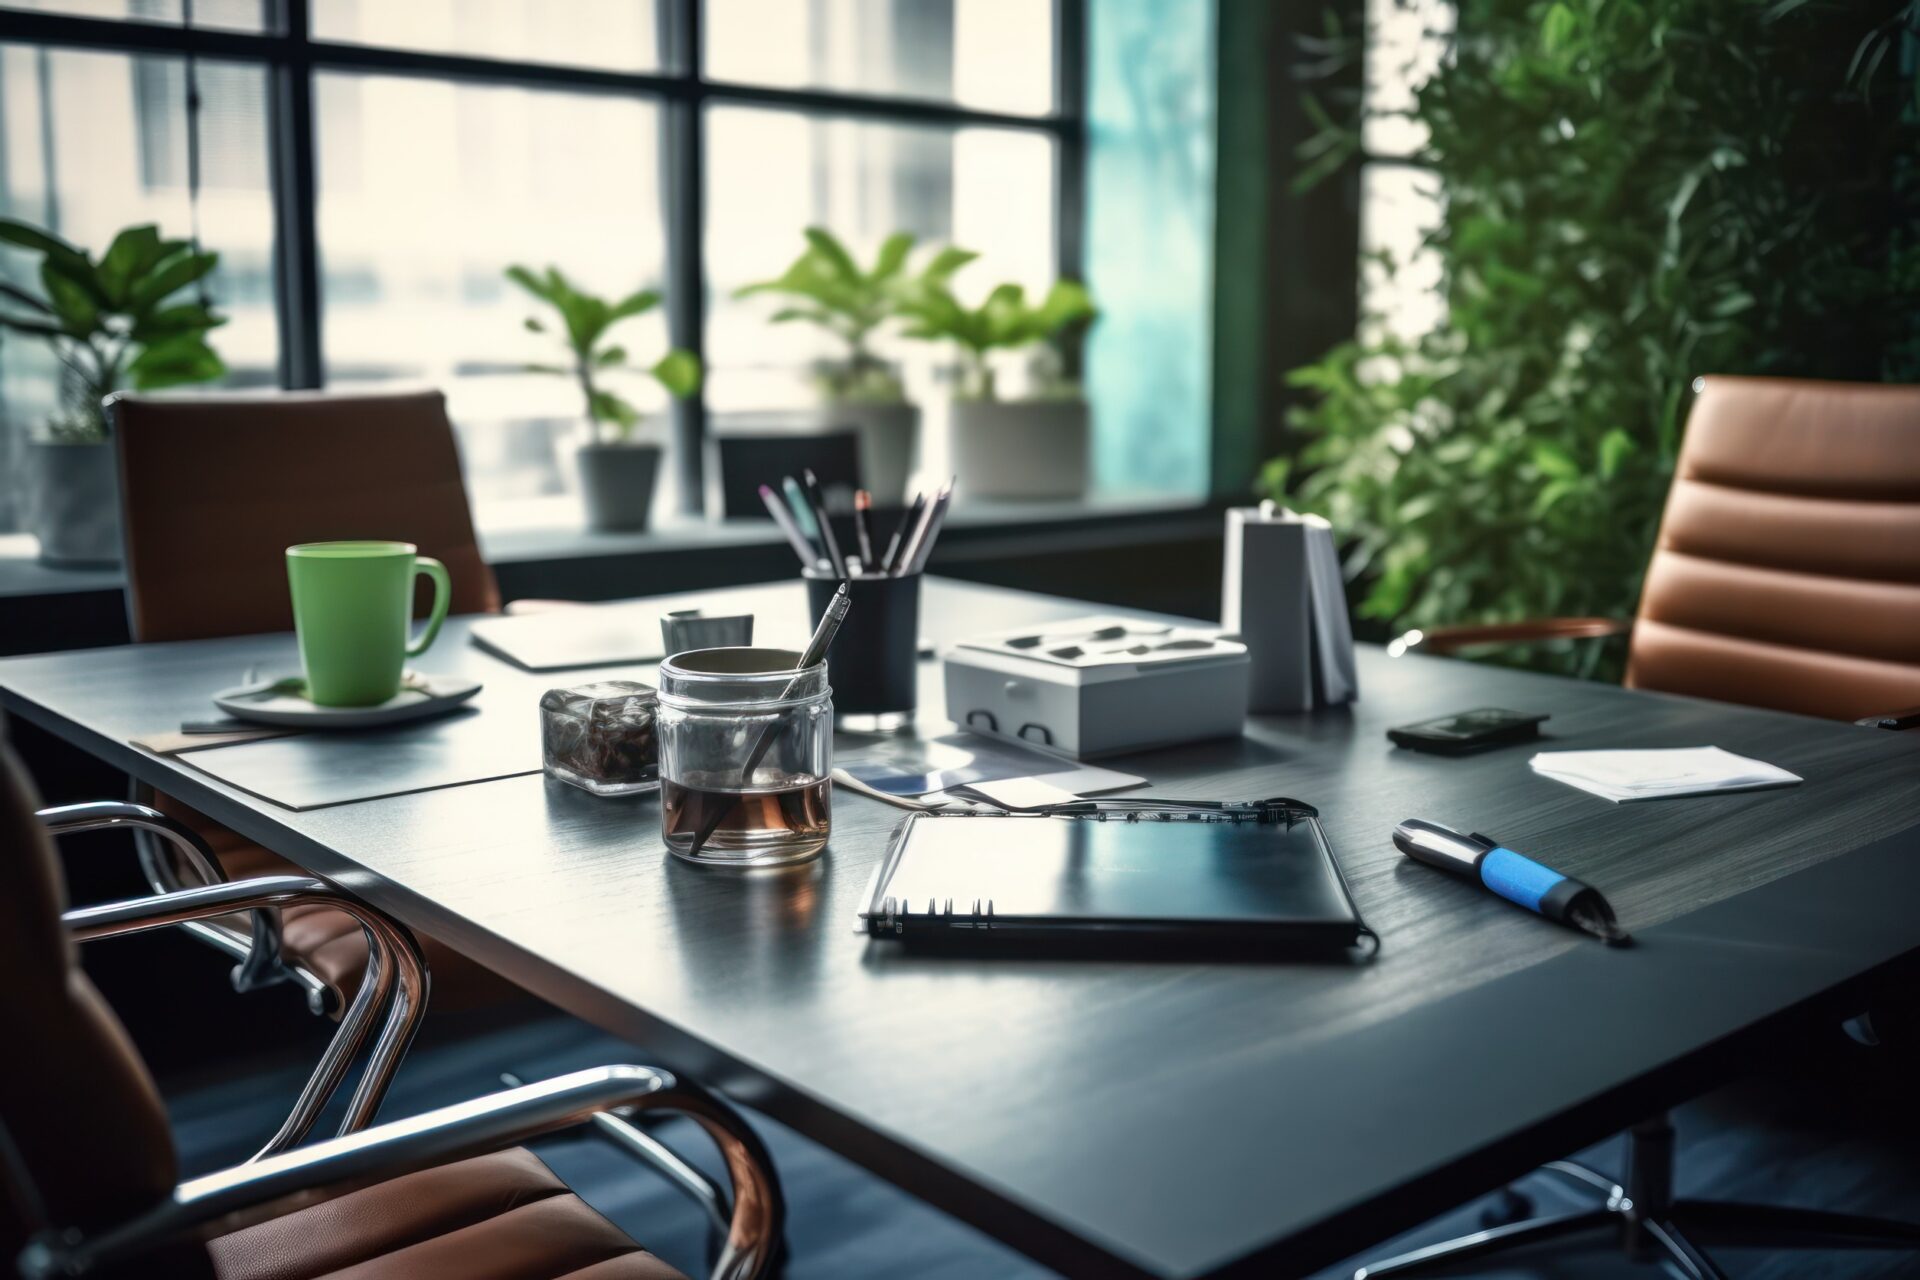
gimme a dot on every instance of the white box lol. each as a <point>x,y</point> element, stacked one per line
<point>1281,594</point>
<point>1101,685</point>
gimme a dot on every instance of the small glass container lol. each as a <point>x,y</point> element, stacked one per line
<point>602,737</point>
<point>746,754</point>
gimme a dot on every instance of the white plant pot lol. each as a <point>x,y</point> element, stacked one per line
<point>889,442</point>
<point>1020,449</point>
<point>72,502</point>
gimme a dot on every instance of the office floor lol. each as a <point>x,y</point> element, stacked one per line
<point>1834,1130</point>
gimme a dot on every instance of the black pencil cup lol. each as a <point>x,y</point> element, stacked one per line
<point>873,665</point>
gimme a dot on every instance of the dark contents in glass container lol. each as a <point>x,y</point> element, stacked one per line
<point>603,735</point>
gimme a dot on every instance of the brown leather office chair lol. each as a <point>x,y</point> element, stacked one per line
<point>87,1165</point>
<point>213,491</point>
<point>1786,575</point>
<point>1787,570</point>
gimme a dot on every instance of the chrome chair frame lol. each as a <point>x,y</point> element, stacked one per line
<point>260,964</point>
<point>227,1201</point>
<point>258,956</point>
<point>393,957</point>
<point>258,951</point>
<point>1651,1223</point>
<point>396,979</point>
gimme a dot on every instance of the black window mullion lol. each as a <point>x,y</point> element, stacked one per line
<point>1070,154</point>
<point>290,132</point>
<point>683,159</point>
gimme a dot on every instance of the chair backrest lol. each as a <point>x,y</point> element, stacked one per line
<point>214,489</point>
<point>82,1121</point>
<point>744,459</point>
<point>1787,571</point>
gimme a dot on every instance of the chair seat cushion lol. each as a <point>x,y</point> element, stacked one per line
<point>503,1216</point>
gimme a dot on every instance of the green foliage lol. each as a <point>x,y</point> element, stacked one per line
<point>1004,322</point>
<point>585,322</point>
<point>112,323</point>
<point>832,291</point>
<point>1637,192</point>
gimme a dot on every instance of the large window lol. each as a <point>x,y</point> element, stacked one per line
<point>368,168</point>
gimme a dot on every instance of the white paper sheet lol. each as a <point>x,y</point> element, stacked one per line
<point>1660,773</point>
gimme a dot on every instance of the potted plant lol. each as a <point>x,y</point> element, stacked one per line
<point>1034,447</point>
<point>617,472</point>
<point>859,389</point>
<point>113,324</point>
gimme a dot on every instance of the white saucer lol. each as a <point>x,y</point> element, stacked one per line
<point>286,704</point>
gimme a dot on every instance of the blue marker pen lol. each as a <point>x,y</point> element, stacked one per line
<point>1515,877</point>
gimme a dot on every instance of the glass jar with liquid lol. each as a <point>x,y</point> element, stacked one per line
<point>746,750</point>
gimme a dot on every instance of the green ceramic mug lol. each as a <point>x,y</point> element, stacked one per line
<point>352,603</point>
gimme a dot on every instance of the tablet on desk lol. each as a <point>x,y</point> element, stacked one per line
<point>1141,884</point>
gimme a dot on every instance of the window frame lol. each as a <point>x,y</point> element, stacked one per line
<point>681,88</point>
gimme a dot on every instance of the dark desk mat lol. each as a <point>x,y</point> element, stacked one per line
<point>314,770</point>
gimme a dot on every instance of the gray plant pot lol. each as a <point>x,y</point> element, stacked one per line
<point>72,503</point>
<point>889,442</point>
<point>1020,449</point>
<point>616,483</point>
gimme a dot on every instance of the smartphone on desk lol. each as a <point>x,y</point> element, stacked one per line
<point>1465,731</point>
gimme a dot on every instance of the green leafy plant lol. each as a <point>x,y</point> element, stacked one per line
<point>115,323</point>
<point>1636,192</point>
<point>585,322</point>
<point>1006,321</point>
<point>833,292</point>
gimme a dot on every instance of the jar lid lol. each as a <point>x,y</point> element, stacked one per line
<point>579,698</point>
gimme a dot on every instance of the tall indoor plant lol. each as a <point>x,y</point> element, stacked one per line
<point>114,324</point>
<point>825,287</point>
<point>1635,194</point>
<point>1034,447</point>
<point>617,472</point>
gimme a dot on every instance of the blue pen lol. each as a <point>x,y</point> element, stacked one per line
<point>1515,877</point>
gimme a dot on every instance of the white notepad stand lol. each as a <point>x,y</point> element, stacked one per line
<point>1282,595</point>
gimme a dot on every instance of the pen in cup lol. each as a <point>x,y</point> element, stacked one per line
<point>890,562</point>
<point>802,545</point>
<point>863,530</point>
<point>810,486</point>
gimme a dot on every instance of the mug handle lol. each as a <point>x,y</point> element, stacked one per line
<point>442,597</point>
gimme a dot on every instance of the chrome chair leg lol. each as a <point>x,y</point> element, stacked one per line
<point>1452,1253</point>
<point>1654,1226</point>
<point>1682,1252</point>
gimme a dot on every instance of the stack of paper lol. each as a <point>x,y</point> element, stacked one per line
<point>1654,775</point>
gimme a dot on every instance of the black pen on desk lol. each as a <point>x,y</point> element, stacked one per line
<point>908,519</point>
<point>810,484</point>
<point>1514,876</point>
<point>802,547</point>
<point>863,529</point>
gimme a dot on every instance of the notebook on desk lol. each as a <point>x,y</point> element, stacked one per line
<point>1117,883</point>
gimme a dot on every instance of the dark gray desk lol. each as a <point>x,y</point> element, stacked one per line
<point>1149,1118</point>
